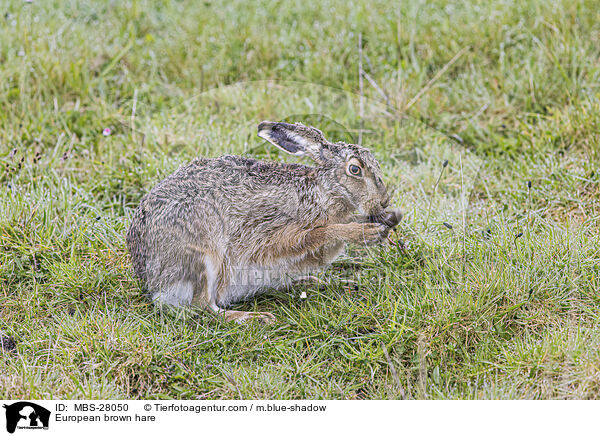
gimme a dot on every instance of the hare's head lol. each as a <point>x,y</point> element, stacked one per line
<point>349,171</point>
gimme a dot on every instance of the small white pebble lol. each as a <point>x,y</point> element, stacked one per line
<point>303,295</point>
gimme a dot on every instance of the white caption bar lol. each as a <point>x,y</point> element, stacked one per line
<point>150,417</point>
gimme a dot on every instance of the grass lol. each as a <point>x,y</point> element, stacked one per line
<point>502,301</point>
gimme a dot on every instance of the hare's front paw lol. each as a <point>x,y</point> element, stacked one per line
<point>371,233</point>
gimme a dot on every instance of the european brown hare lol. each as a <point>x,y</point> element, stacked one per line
<point>221,230</point>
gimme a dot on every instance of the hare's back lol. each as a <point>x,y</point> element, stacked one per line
<point>230,173</point>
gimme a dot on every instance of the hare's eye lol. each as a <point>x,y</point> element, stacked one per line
<point>354,170</point>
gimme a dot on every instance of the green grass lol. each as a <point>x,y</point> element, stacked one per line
<point>505,304</point>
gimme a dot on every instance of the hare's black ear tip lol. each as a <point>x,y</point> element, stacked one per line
<point>265,125</point>
<point>265,129</point>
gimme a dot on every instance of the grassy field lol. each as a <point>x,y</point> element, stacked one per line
<point>489,287</point>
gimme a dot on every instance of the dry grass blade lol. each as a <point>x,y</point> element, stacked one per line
<point>435,78</point>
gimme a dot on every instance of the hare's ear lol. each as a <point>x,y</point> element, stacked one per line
<point>296,139</point>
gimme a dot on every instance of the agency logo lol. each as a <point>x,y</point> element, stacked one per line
<point>26,415</point>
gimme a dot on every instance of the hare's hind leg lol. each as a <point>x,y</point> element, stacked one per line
<point>175,294</point>
<point>212,286</point>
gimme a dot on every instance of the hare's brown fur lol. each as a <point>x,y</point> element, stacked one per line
<point>220,230</point>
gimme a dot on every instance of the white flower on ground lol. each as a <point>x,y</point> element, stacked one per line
<point>107,131</point>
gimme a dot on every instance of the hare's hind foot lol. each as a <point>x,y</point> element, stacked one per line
<point>307,279</point>
<point>242,317</point>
